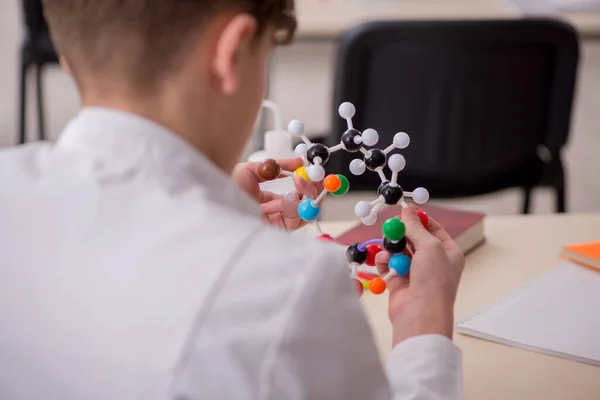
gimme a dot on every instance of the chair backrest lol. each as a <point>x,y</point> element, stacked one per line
<point>476,97</point>
<point>33,13</point>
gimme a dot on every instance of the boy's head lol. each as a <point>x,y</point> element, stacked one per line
<point>196,66</point>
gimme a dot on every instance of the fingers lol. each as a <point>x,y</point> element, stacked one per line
<point>266,197</point>
<point>246,180</point>
<point>276,220</point>
<point>438,231</point>
<point>419,237</point>
<point>275,203</point>
<point>410,248</point>
<point>310,190</point>
<point>381,261</point>
<point>282,213</point>
<point>416,233</point>
<point>292,196</point>
<point>290,164</point>
<point>280,206</point>
<point>303,188</point>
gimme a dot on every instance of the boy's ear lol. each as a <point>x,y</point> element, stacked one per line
<point>234,38</point>
<point>65,66</point>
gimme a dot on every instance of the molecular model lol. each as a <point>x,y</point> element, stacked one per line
<point>389,193</point>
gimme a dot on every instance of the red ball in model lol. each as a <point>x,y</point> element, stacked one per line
<point>326,237</point>
<point>424,218</point>
<point>359,287</point>
<point>372,251</point>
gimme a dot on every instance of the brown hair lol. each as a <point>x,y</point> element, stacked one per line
<point>154,34</point>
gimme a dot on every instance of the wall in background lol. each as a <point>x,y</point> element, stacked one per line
<point>302,77</point>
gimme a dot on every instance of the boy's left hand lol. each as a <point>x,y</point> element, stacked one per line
<point>276,210</point>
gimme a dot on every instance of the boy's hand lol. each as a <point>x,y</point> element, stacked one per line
<point>423,302</point>
<point>276,210</point>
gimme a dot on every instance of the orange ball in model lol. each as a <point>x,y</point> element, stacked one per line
<point>377,286</point>
<point>332,183</point>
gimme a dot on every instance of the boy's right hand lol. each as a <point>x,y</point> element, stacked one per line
<point>423,302</point>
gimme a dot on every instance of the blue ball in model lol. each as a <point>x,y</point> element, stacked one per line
<point>400,263</point>
<point>308,211</point>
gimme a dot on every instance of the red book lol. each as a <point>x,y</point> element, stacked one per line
<point>465,227</point>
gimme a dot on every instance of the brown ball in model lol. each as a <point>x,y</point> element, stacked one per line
<point>269,170</point>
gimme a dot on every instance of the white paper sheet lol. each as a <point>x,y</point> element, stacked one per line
<point>556,314</point>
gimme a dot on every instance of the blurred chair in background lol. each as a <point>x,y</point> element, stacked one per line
<point>480,99</point>
<point>37,51</point>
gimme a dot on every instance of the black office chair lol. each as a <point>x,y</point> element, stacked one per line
<point>37,51</point>
<point>479,99</point>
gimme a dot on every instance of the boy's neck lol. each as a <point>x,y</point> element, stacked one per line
<point>195,130</point>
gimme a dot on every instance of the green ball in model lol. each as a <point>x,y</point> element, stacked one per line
<point>394,229</point>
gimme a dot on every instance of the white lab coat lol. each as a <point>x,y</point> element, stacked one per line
<point>132,268</point>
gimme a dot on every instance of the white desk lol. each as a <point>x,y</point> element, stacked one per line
<point>518,249</point>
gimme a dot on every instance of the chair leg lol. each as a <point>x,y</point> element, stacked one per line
<point>23,102</point>
<point>560,190</point>
<point>526,200</point>
<point>561,206</point>
<point>40,102</point>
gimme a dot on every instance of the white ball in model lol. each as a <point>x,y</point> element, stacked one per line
<point>347,110</point>
<point>357,167</point>
<point>420,195</point>
<point>296,127</point>
<point>363,209</point>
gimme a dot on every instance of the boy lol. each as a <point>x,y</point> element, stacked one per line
<point>137,261</point>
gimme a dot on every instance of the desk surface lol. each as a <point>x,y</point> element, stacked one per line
<point>329,18</point>
<point>518,249</point>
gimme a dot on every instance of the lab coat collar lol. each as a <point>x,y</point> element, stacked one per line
<point>128,144</point>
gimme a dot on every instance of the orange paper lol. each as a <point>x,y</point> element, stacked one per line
<point>587,254</point>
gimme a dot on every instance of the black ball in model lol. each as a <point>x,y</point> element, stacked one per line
<point>394,248</point>
<point>354,255</point>
<point>382,186</point>
<point>377,159</point>
<point>348,140</point>
<point>318,150</point>
<point>391,194</point>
